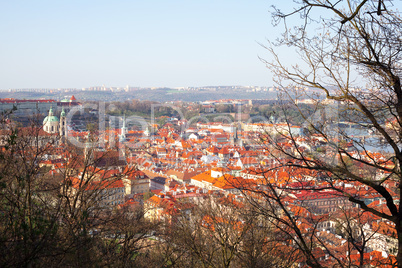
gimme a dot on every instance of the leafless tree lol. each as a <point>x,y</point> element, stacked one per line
<point>53,217</point>
<point>349,57</point>
<point>222,232</point>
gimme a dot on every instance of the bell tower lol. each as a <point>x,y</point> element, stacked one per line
<point>63,124</point>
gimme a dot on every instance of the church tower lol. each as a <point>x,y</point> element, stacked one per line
<point>123,131</point>
<point>63,124</point>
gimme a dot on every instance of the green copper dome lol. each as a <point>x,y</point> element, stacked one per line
<point>50,118</point>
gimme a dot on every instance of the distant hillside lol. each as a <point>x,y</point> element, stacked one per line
<point>161,95</point>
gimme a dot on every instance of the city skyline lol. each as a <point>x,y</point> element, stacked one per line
<point>196,134</point>
<point>146,44</point>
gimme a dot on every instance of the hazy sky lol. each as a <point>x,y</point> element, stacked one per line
<point>63,44</point>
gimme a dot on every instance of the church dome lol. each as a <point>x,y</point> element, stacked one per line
<point>50,119</point>
<point>51,123</point>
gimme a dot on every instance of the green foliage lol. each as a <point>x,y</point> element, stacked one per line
<point>142,108</point>
<point>147,195</point>
<point>281,113</point>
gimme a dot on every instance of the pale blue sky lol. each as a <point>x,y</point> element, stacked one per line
<point>63,44</point>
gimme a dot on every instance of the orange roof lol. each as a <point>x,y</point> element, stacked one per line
<point>213,149</point>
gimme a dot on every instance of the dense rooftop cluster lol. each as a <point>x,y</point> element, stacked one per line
<point>178,169</point>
